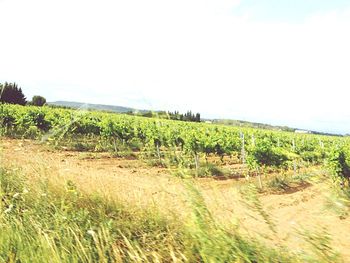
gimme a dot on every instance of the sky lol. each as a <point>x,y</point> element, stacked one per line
<point>271,61</point>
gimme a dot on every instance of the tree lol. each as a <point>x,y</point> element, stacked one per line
<point>38,101</point>
<point>10,93</point>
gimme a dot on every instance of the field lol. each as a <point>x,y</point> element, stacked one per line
<point>81,186</point>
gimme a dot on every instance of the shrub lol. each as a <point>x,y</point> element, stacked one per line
<point>265,154</point>
<point>339,164</point>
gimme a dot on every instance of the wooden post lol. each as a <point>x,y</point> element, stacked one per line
<point>253,140</point>
<point>259,177</point>
<point>115,144</point>
<point>158,153</point>
<point>196,161</point>
<point>294,164</point>
<point>243,150</point>
<point>321,143</point>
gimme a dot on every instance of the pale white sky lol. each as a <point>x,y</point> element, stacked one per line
<point>266,61</point>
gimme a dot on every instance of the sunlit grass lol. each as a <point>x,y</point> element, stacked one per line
<point>46,222</point>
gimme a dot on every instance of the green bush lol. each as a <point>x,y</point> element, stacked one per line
<point>338,163</point>
<point>265,154</point>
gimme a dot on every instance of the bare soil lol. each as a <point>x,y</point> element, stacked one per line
<point>132,181</point>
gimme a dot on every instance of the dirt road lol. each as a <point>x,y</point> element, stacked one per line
<point>138,184</point>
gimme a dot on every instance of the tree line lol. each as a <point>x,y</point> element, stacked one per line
<point>188,116</point>
<point>12,94</point>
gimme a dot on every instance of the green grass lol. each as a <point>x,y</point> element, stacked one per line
<point>279,183</point>
<point>42,222</point>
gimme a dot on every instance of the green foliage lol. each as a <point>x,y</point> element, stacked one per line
<point>265,154</point>
<point>155,138</point>
<point>209,169</point>
<point>188,116</point>
<point>339,163</point>
<point>46,223</point>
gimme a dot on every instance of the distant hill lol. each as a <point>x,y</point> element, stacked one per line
<point>265,126</point>
<point>251,124</point>
<point>99,107</point>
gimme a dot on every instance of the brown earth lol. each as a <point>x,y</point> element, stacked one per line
<point>301,208</point>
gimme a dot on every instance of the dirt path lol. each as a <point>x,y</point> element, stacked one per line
<point>132,181</point>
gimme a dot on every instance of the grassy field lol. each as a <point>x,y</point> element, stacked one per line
<point>78,207</point>
<point>45,222</point>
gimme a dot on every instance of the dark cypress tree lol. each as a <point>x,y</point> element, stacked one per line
<point>198,117</point>
<point>10,93</point>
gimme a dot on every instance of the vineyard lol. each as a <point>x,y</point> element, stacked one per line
<point>95,186</point>
<point>174,143</point>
